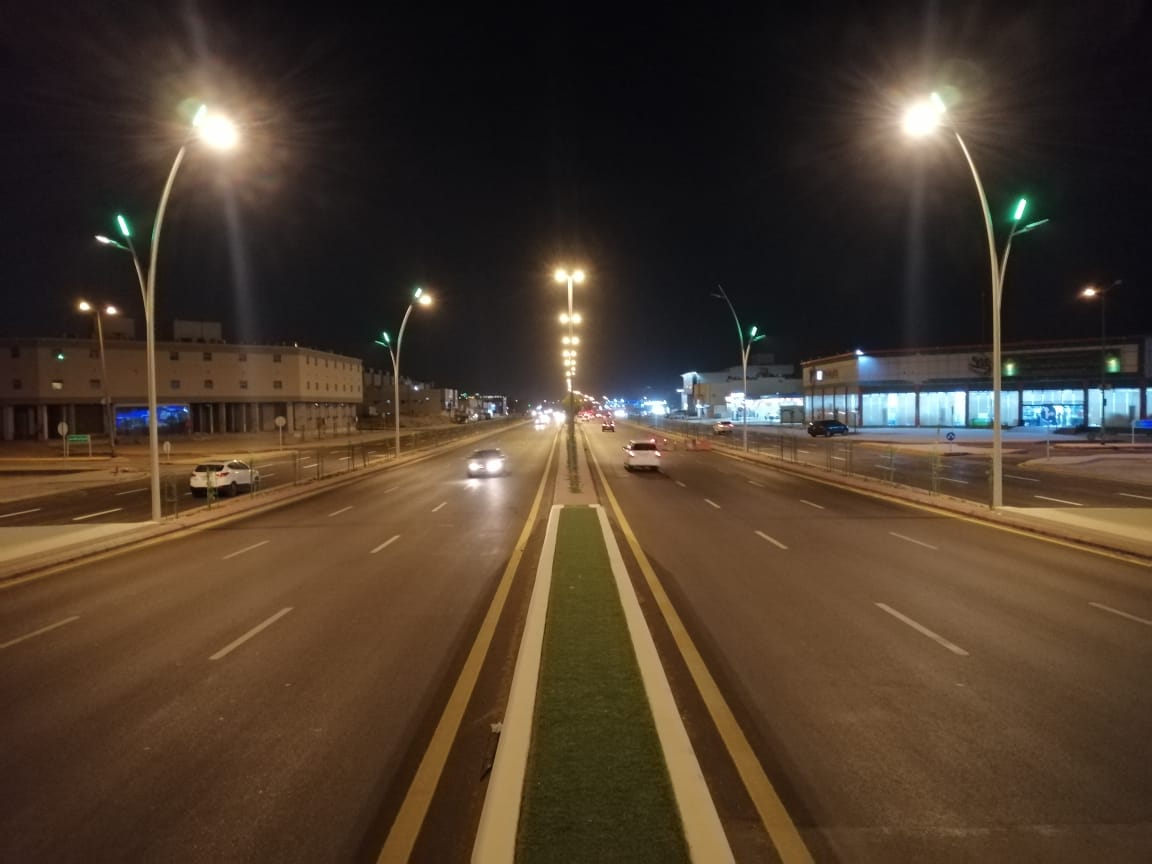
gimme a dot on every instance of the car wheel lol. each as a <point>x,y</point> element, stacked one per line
<point>229,491</point>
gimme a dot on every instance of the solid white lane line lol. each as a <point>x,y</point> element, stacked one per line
<point>232,646</point>
<point>36,633</point>
<point>713,503</point>
<point>811,504</point>
<point>1127,615</point>
<point>771,540</point>
<point>681,484</point>
<point>917,542</point>
<point>245,549</point>
<point>387,542</point>
<point>132,491</point>
<point>954,480</point>
<point>438,506</point>
<point>1026,479</point>
<point>94,515</point>
<point>20,513</point>
<point>1058,501</point>
<point>1124,494</point>
<point>756,483</point>
<point>341,510</point>
<point>920,628</point>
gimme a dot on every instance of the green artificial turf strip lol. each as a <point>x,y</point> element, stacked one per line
<point>597,787</point>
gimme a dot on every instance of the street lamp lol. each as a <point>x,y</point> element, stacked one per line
<point>1092,292</point>
<point>920,120</point>
<point>219,133</point>
<point>571,319</point>
<point>109,415</point>
<point>745,350</point>
<point>419,297</point>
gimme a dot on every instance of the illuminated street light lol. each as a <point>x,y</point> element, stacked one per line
<point>420,297</point>
<point>109,415</point>
<point>922,119</point>
<point>1093,292</point>
<point>745,349</point>
<point>571,318</point>
<point>218,132</point>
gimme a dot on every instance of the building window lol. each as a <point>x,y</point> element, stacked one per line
<point>207,355</point>
<point>94,383</point>
<point>242,356</point>
<point>207,383</point>
<point>243,385</point>
<point>57,384</point>
<point>17,383</point>
<point>174,384</point>
<point>277,385</point>
<point>275,358</point>
<point>15,351</point>
<point>173,355</point>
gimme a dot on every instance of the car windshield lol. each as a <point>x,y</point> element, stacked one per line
<point>487,454</point>
<point>643,445</point>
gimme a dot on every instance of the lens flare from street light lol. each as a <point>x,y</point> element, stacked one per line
<point>84,306</point>
<point>921,119</point>
<point>111,310</point>
<point>578,277</point>
<point>216,130</point>
<point>1090,291</point>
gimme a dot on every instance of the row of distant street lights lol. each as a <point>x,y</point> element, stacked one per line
<point>570,341</point>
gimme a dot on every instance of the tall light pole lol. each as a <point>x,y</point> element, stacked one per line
<point>745,350</point>
<point>571,319</point>
<point>921,119</point>
<point>109,415</point>
<point>218,132</point>
<point>419,298</point>
<point>1093,292</point>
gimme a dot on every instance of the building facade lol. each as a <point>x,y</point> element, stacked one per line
<point>775,393</point>
<point>202,385</point>
<point>1056,385</point>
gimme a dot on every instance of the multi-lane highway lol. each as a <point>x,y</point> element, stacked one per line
<point>915,687</point>
<point>248,692</point>
<point>925,688</point>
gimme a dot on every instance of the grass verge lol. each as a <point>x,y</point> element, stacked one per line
<point>597,788</point>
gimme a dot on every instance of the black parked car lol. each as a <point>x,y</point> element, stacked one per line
<point>827,428</point>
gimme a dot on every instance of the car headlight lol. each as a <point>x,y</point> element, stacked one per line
<point>494,464</point>
<point>474,466</point>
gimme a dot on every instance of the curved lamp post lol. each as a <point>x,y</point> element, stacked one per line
<point>920,120</point>
<point>419,297</point>
<point>745,350</point>
<point>571,319</point>
<point>109,416</point>
<point>1094,292</point>
<point>218,132</point>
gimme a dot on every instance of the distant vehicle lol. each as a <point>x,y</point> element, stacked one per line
<point>827,428</point>
<point>227,478</point>
<point>489,462</point>
<point>609,425</point>
<point>722,427</point>
<point>641,455</point>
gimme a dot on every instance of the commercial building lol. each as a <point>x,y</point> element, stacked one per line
<point>775,393</point>
<point>1057,385</point>
<point>203,384</point>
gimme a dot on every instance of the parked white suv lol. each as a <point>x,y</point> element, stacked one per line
<point>641,454</point>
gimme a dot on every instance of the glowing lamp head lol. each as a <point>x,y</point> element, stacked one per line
<point>923,117</point>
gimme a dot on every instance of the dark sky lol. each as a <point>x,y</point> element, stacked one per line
<point>666,148</point>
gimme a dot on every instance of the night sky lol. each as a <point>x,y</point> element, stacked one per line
<point>666,148</point>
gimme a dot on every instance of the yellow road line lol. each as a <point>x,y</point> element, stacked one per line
<point>402,836</point>
<point>770,808</point>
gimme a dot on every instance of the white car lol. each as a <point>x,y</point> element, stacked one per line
<point>226,477</point>
<point>642,455</point>
<point>490,462</point>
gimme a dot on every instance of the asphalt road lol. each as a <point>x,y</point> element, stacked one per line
<point>249,692</point>
<point>921,688</point>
